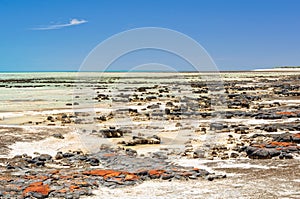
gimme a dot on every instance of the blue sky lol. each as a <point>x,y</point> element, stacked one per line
<point>39,35</point>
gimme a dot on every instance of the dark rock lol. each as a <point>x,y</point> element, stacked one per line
<point>9,167</point>
<point>153,106</point>
<point>234,155</point>
<point>241,130</point>
<point>167,176</point>
<point>131,152</point>
<point>93,161</point>
<point>50,118</point>
<point>149,98</point>
<point>169,104</point>
<point>160,155</point>
<point>286,156</point>
<point>260,154</point>
<point>274,152</point>
<point>269,128</point>
<point>132,110</point>
<point>44,157</point>
<point>199,154</point>
<point>114,133</point>
<point>212,177</point>
<point>40,163</point>
<point>136,140</point>
<point>217,126</point>
<point>142,89</point>
<point>67,155</point>
<point>38,195</point>
<point>58,135</point>
<point>167,111</point>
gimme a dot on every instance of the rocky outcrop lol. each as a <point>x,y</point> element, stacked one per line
<point>77,176</point>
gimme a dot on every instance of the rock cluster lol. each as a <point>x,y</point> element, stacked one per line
<point>79,174</point>
<point>112,132</point>
<point>254,146</point>
<point>137,140</point>
<point>283,146</point>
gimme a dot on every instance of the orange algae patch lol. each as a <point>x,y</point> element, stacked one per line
<point>100,172</point>
<point>186,173</point>
<point>131,177</point>
<point>73,187</point>
<point>259,145</point>
<point>54,172</point>
<point>109,155</point>
<point>156,172</point>
<point>37,187</point>
<point>66,177</point>
<point>286,113</point>
<point>62,191</point>
<point>113,174</point>
<point>118,179</point>
<point>297,135</point>
<point>82,183</point>
<point>282,144</point>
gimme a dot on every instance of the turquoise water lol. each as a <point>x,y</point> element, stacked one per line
<point>35,91</point>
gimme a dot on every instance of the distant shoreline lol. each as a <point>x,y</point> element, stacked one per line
<point>278,69</point>
<point>124,71</point>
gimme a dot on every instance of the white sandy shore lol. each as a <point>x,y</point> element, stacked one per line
<point>277,69</point>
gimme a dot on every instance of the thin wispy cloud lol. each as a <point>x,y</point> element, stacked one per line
<point>72,22</point>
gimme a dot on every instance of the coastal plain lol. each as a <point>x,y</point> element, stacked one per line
<point>150,135</point>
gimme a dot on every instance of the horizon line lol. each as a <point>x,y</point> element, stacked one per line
<point>138,71</point>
